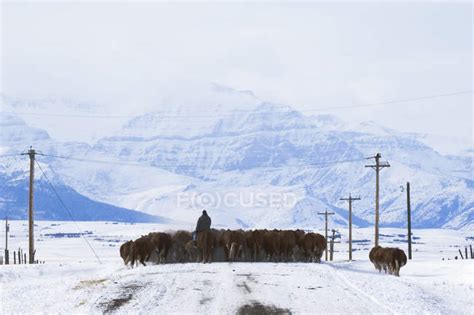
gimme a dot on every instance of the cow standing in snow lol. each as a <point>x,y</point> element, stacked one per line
<point>313,246</point>
<point>206,243</point>
<point>125,250</point>
<point>398,259</point>
<point>254,242</point>
<point>141,250</point>
<point>389,259</point>
<point>161,243</point>
<point>233,243</point>
<point>179,242</point>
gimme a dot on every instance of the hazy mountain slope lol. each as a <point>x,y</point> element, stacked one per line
<point>15,137</point>
<point>222,149</point>
<point>286,148</point>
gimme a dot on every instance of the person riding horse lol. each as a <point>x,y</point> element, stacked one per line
<point>203,224</point>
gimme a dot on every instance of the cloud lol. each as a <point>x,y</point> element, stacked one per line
<point>123,55</point>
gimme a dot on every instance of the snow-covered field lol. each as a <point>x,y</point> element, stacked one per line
<point>72,281</point>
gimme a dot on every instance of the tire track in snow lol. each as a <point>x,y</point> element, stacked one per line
<point>227,291</point>
<point>359,291</point>
<point>400,288</point>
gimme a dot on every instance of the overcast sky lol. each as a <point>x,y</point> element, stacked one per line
<point>307,55</point>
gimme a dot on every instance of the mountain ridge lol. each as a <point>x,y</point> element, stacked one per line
<point>245,152</point>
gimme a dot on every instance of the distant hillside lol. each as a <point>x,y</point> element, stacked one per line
<point>14,204</point>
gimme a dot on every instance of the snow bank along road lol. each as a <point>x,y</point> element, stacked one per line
<point>72,282</point>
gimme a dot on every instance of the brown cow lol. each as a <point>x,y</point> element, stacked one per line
<point>298,253</point>
<point>141,250</point>
<point>162,243</point>
<point>125,251</point>
<point>271,245</point>
<point>223,235</point>
<point>287,243</point>
<point>313,245</point>
<point>178,250</point>
<point>218,252</point>
<point>389,259</point>
<point>397,259</point>
<point>299,234</point>
<point>255,243</point>
<point>233,243</point>
<point>206,243</point>
<point>307,244</point>
<point>321,245</point>
<point>375,256</point>
<point>192,251</point>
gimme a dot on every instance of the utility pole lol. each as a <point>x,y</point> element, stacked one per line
<point>409,220</point>
<point>377,167</point>
<point>7,229</point>
<point>350,199</point>
<point>331,246</point>
<point>31,153</point>
<point>326,213</point>
<point>331,243</point>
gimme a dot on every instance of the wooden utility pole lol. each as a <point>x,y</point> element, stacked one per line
<point>7,229</point>
<point>409,220</point>
<point>31,153</point>
<point>326,213</point>
<point>350,199</point>
<point>331,244</point>
<point>377,167</point>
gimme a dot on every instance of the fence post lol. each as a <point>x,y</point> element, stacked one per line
<point>24,258</point>
<point>465,253</point>
<point>331,249</point>
<point>7,258</point>
<point>460,253</point>
<point>331,245</point>
<point>470,246</point>
<point>14,257</point>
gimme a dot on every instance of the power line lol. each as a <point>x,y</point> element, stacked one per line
<point>395,101</point>
<point>67,210</point>
<point>210,170</point>
<point>251,112</point>
<point>8,155</point>
<point>95,161</point>
<point>197,167</point>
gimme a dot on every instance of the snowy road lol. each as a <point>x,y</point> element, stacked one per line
<point>71,280</point>
<point>224,288</point>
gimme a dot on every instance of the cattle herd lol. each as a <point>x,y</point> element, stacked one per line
<point>225,245</point>
<point>245,246</point>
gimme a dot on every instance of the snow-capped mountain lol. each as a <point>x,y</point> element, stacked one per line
<point>14,174</point>
<point>174,162</point>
